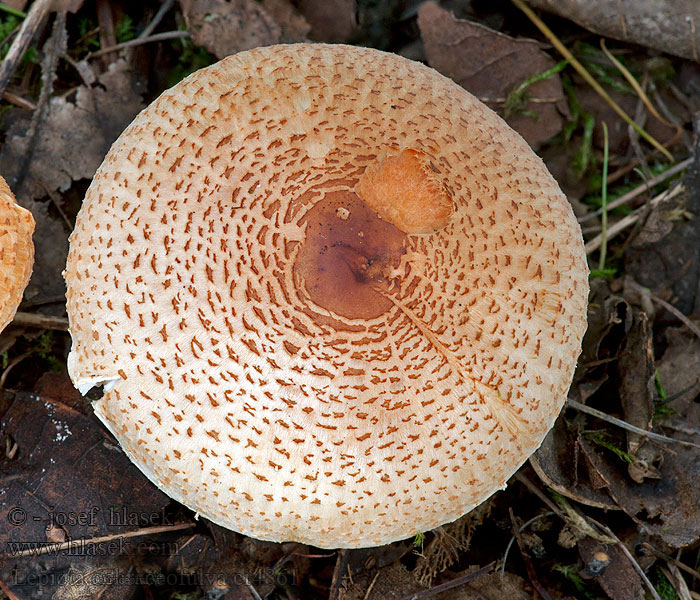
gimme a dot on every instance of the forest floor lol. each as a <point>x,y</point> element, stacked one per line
<point>609,507</point>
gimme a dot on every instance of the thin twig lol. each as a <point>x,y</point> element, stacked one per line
<point>26,319</point>
<point>624,425</point>
<point>679,584</point>
<point>635,85</point>
<point>538,492</point>
<point>35,17</point>
<point>13,363</point>
<point>157,37</point>
<point>162,11</point>
<point>451,584</point>
<point>341,567</point>
<point>675,561</point>
<point>524,526</point>
<point>371,585</point>
<point>630,220</point>
<point>640,189</point>
<point>18,101</point>
<point>251,589</point>
<point>87,542</point>
<point>529,567</point>
<point>7,591</point>
<point>676,313</point>
<point>604,199</point>
<point>564,51</point>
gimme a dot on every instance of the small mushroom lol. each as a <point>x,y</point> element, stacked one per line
<point>332,297</point>
<point>16,253</point>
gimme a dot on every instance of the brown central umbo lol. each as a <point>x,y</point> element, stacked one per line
<point>347,261</point>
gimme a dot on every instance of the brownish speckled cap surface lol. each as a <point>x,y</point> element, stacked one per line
<point>16,253</point>
<point>333,298</point>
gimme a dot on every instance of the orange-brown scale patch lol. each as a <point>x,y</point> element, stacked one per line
<point>406,190</point>
<point>349,255</point>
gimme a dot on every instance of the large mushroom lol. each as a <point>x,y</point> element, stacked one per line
<point>331,296</point>
<point>16,253</point>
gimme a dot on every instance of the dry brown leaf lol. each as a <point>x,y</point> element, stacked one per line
<point>104,579</point>
<point>558,465</point>
<point>68,472</point>
<point>668,507</point>
<point>74,137</point>
<point>679,373</point>
<point>490,65</point>
<point>665,256</point>
<point>294,27</point>
<point>558,461</point>
<point>225,27</point>
<point>638,394</point>
<point>619,579</point>
<point>668,25</point>
<point>331,21</point>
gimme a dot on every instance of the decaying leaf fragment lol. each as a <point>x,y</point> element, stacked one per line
<point>618,577</point>
<point>74,138</point>
<point>490,65</point>
<point>226,27</point>
<point>638,394</point>
<point>66,479</point>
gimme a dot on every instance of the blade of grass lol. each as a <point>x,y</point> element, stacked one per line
<point>635,84</point>
<point>12,11</point>
<point>517,98</point>
<point>604,201</point>
<point>564,51</point>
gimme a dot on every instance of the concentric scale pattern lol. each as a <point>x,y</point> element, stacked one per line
<point>16,253</point>
<point>333,297</point>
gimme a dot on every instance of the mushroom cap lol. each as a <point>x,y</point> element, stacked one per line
<point>16,253</point>
<point>333,298</point>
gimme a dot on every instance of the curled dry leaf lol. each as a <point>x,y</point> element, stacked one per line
<point>490,65</point>
<point>667,25</point>
<point>558,461</point>
<point>637,371</point>
<point>110,579</point>
<point>225,27</point>
<point>559,465</point>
